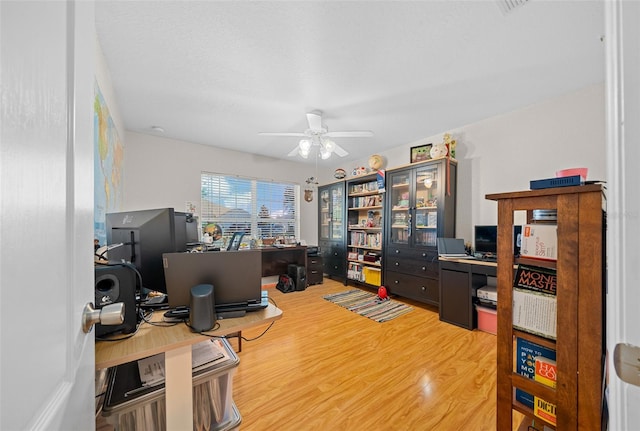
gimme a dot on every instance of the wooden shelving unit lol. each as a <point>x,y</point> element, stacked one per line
<point>580,341</point>
<point>364,230</point>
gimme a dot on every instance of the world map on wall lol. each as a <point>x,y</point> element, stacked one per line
<point>108,164</point>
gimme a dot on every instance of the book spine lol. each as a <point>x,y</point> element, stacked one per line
<point>544,410</point>
<point>536,279</point>
<point>526,353</point>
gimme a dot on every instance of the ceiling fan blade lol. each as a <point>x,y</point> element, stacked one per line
<point>340,151</point>
<point>293,152</point>
<point>352,134</point>
<point>315,121</point>
<point>280,134</point>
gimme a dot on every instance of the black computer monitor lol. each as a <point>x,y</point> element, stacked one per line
<point>486,239</point>
<point>145,235</point>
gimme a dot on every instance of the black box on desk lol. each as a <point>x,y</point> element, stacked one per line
<point>128,405</point>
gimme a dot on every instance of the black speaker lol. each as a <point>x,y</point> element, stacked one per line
<point>298,274</point>
<point>116,283</point>
<point>202,312</point>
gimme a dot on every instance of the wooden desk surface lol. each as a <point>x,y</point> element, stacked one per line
<point>469,261</point>
<point>151,340</point>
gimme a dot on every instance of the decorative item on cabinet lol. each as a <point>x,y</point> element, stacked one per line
<point>375,162</point>
<point>420,153</point>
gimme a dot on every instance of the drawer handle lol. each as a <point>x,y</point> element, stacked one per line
<point>397,263</point>
<point>424,254</point>
<point>423,288</point>
<point>397,251</point>
<point>396,282</point>
<point>424,268</point>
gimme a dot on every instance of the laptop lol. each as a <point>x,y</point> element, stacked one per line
<point>452,248</point>
<point>236,277</point>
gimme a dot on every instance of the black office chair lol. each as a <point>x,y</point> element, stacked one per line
<point>236,239</point>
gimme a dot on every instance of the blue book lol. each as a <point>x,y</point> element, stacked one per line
<point>526,352</point>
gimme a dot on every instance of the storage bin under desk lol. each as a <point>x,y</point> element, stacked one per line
<point>130,406</point>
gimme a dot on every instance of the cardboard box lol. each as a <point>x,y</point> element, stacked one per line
<point>487,320</point>
<point>540,241</point>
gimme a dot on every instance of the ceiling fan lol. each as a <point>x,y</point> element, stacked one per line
<point>317,135</point>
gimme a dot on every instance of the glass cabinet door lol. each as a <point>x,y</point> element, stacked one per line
<point>426,206</point>
<point>400,208</point>
<point>325,215</point>
<point>337,211</point>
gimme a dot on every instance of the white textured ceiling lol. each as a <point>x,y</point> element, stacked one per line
<point>219,72</point>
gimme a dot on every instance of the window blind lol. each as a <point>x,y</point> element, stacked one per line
<point>259,208</point>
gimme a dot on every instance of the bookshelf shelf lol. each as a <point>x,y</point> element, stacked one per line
<point>580,340</point>
<point>364,239</point>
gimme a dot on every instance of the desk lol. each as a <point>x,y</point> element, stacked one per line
<point>275,260</point>
<point>175,342</point>
<point>459,278</point>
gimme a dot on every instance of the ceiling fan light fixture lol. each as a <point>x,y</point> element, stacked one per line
<point>304,152</point>
<point>324,153</point>
<point>329,145</point>
<point>305,145</point>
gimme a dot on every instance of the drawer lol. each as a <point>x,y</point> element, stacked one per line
<point>334,266</point>
<point>423,289</point>
<point>314,276</point>
<point>421,267</point>
<point>314,262</point>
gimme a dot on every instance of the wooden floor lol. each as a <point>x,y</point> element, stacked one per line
<point>322,367</point>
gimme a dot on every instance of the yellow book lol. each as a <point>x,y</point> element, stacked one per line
<point>545,373</point>
<point>544,410</point>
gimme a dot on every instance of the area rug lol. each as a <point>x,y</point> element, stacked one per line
<point>368,305</point>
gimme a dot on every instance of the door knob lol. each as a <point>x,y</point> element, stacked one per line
<point>626,359</point>
<point>112,314</point>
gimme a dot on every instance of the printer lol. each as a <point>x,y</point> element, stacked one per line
<point>487,296</point>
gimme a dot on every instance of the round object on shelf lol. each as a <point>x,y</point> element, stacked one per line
<point>375,162</point>
<point>438,150</point>
<point>340,173</point>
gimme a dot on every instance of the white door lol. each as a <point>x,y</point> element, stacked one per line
<point>46,225</point>
<point>622,41</point>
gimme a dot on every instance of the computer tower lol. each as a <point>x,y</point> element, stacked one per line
<point>116,283</point>
<point>298,274</point>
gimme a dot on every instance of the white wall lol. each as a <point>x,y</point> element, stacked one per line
<point>499,154</point>
<point>161,172</point>
<point>503,153</point>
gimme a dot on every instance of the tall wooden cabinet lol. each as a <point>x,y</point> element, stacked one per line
<point>420,207</point>
<point>365,216</point>
<point>331,228</point>
<point>580,341</point>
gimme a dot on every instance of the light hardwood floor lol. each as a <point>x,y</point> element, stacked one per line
<point>322,367</point>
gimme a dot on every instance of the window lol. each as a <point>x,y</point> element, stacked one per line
<point>260,208</point>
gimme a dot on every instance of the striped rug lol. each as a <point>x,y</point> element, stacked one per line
<point>368,305</point>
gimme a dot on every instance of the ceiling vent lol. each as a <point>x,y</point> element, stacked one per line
<point>507,6</point>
